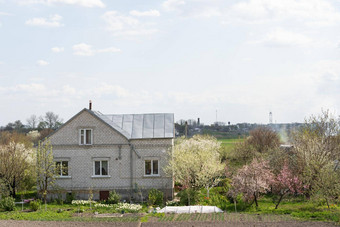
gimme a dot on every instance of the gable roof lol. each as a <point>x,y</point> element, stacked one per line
<point>135,126</point>
<point>141,126</point>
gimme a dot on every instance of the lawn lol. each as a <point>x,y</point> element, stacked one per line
<point>293,209</point>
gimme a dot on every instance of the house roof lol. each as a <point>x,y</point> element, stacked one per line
<point>141,126</point>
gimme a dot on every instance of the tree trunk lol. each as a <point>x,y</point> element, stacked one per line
<point>279,201</point>
<point>255,199</point>
<point>188,193</point>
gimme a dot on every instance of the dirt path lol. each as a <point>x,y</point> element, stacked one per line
<point>13,223</point>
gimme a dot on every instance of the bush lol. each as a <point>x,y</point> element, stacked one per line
<point>70,197</point>
<point>155,197</point>
<point>7,204</point>
<point>35,205</point>
<point>217,197</point>
<point>183,196</point>
<point>113,198</point>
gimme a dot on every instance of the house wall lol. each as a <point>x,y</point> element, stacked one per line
<point>112,146</point>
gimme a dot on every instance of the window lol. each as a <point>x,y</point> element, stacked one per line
<point>61,168</point>
<point>85,137</point>
<point>101,168</point>
<point>151,167</point>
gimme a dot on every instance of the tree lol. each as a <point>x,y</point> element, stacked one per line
<point>261,141</point>
<point>252,180</point>
<point>196,162</point>
<point>52,120</point>
<point>32,121</point>
<point>317,145</point>
<point>327,186</point>
<point>286,183</point>
<point>45,168</point>
<point>15,162</point>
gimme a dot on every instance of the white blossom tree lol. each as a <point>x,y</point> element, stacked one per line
<point>196,162</point>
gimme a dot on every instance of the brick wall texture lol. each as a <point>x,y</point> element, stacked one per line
<point>109,145</point>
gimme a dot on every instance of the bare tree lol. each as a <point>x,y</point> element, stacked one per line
<point>260,141</point>
<point>263,139</point>
<point>32,121</point>
<point>52,120</point>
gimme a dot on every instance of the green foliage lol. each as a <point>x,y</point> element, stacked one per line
<point>193,197</point>
<point>35,205</point>
<point>155,197</point>
<point>114,197</point>
<point>7,203</point>
<point>217,197</point>
<point>70,197</point>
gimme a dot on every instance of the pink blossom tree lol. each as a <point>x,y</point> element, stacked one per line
<point>286,183</point>
<point>252,180</point>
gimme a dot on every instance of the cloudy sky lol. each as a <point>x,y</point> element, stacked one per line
<point>242,58</point>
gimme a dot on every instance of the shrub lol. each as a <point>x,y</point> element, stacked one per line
<point>34,205</point>
<point>7,203</point>
<point>113,198</point>
<point>183,196</point>
<point>155,197</point>
<point>70,197</point>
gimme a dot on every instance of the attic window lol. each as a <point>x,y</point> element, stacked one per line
<point>85,137</point>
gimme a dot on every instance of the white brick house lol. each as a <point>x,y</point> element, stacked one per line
<point>126,153</point>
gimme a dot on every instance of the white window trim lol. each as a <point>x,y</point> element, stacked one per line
<point>85,144</point>
<point>68,171</point>
<point>94,168</point>
<point>151,175</point>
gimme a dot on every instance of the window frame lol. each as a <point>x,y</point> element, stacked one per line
<point>85,136</point>
<point>94,175</point>
<point>61,175</point>
<point>152,166</point>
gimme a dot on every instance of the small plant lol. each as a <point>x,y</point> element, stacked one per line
<point>113,198</point>
<point>7,203</point>
<point>155,197</point>
<point>34,205</point>
<point>185,200</point>
<point>172,203</point>
<point>70,197</point>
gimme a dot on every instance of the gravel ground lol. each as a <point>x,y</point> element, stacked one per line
<point>13,223</point>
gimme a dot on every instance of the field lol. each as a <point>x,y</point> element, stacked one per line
<point>229,143</point>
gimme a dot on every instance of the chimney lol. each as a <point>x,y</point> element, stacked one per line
<point>198,121</point>
<point>90,105</point>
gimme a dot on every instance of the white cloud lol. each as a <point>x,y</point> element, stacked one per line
<point>309,12</point>
<point>83,49</point>
<point>57,49</point>
<point>52,21</point>
<point>83,3</point>
<point>1,62</point>
<point>122,25</point>
<point>42,63</point>
<point>109,50</point>
<point>281,37</point>
<point>172,5</point>
<point>149,13</point>
<point>5,14</point>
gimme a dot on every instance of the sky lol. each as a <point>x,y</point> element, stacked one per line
<point>194,58</point>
